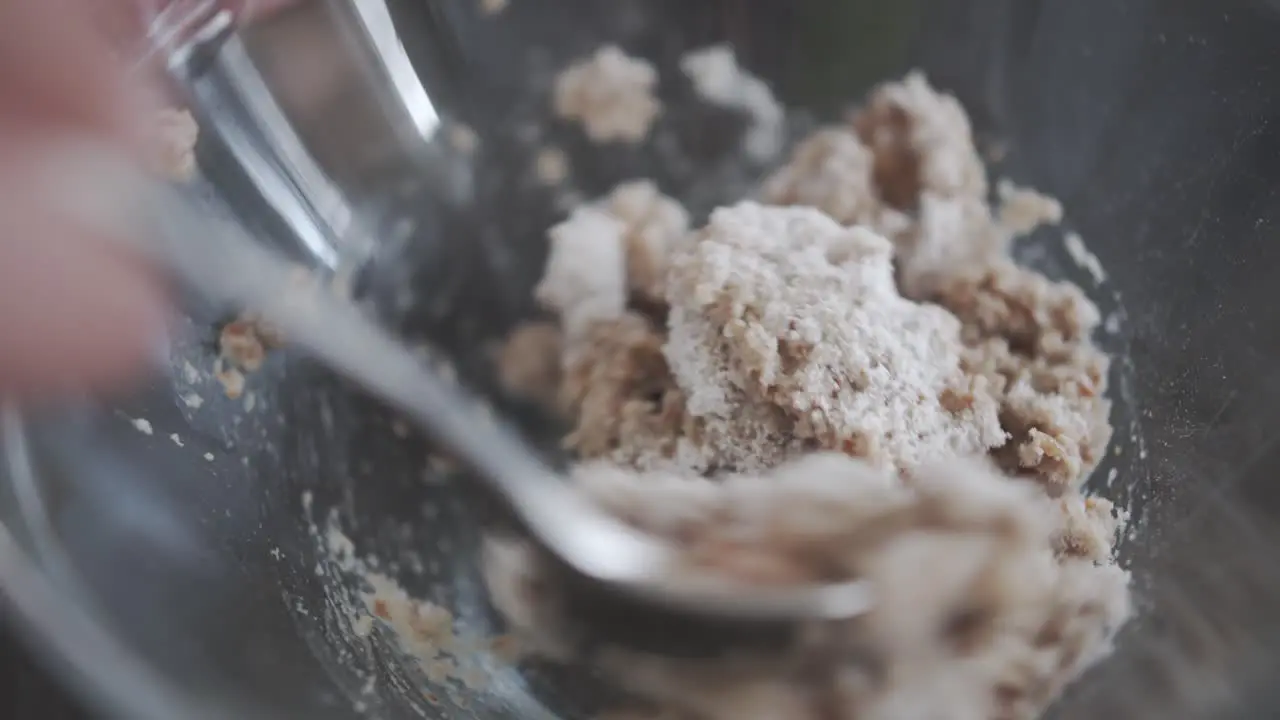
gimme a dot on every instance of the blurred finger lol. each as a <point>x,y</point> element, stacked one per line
<point>55,66</point>
<point>76,313</point>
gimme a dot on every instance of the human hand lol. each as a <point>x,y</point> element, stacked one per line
<point>77,313</point>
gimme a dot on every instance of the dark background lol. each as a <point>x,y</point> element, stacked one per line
<point>26,691</point>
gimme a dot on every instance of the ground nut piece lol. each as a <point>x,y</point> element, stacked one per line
<point>529,362</point>
<point>782,308</point>
<point>172,154</point>
<point>585,278</point>
<point>922,142</point>
<point>245,341</point>
<point>618,387</point>
<point>611,94</point>
<point>654,224</point>
<point>831,170</point>
<point>241,345</point>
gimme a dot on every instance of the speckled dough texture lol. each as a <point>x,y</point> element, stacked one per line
<point>611,94</point>
<point>844,376</point>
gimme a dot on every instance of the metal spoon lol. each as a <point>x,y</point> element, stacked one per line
<point>220,260</point>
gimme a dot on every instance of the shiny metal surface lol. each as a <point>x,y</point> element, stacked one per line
<point>1153,120</point>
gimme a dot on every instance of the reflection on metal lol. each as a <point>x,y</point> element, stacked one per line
<point>236,104</point>
<point>307,118</point>
<point>376,19</point>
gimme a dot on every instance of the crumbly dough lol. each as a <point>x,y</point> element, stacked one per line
<point>619,388</point>
<point>654,224</point>
<point>586,275</point>
<point>609,252</point>
<point>990,596</point>
<point>1028,337</point>
<point>831,170</point>
<point>173,154</point>
<point>529,362</point>
<point>846,377</point>
<point>1024,209</point>
<point>922,143</point>
<point>907,167</point>
<point>611,94</point>
<point>718,78</point>
<point>785,309</point>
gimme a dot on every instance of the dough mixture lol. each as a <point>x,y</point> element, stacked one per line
<point>611,94</point>
<point>844,376</point>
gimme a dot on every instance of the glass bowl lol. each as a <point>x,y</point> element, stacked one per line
<point>167,551</point>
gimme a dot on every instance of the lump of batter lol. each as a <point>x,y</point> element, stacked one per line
<point>611,94</point>
<point>990,596</point>
<point>783,308</point>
